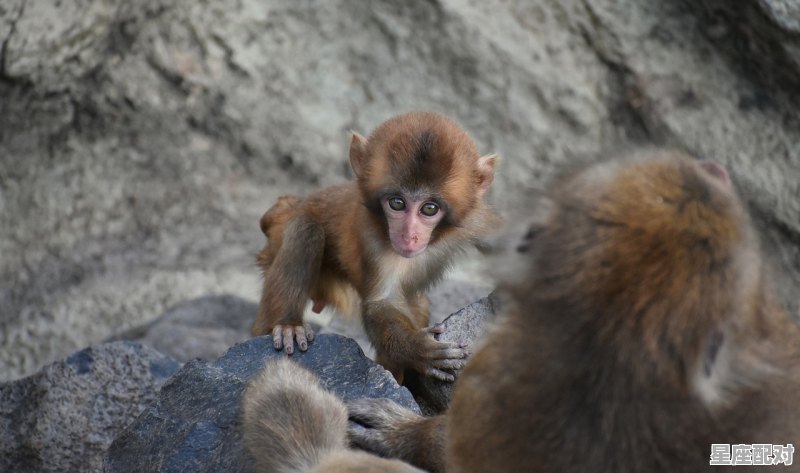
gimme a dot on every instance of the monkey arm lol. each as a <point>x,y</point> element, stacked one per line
<point>400,344</point>
<point>292,272</point>
<point>392,431</point>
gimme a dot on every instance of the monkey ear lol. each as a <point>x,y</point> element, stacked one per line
<point>486,166</point>
<point>358,153</point>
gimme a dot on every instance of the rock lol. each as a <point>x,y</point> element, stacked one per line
<point>201,328</point>
<point>468,325</point>
<point>453,295</point>
<point>64,417</point>
<point>141,141</point>
<point>194,424</point>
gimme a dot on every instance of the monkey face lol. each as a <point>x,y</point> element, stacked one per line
<point>410,222</point>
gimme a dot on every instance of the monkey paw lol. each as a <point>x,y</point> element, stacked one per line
<point>434,356</point>
<point>374,424</point>
<point>285,335</point>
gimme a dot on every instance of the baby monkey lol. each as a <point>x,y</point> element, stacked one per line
<point>417,201</point>
<point>642,331</point>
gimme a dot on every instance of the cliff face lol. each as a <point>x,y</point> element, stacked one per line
<point>141,141</point>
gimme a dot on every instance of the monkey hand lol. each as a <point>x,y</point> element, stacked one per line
<point>285,335</point>
<point>375,425</point>
<point>390,430</point>
<point>431,356</point>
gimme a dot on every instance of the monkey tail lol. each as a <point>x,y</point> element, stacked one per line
<point>285,205</point>
<point>289,423</point>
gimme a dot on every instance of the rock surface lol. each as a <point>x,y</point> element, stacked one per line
<point>64,417</point>
<point>140,142</point>
<point>194,424</point>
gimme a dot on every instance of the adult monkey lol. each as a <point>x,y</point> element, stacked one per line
<point>417,201</point>
<point>642,331</point>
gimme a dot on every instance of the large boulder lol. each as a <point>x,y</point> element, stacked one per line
<point>64,417</point>
<point>141,141</point>
<point>194,424</point>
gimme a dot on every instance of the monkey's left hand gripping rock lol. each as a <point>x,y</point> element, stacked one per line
<point>432,356</point>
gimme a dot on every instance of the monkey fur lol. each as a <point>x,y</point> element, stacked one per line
<point>382,239</point>
<point>291,425</point>
<point>642,330</point>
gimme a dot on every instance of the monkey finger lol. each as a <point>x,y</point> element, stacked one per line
<point>364,411</point>
<point>277,340</point>
<point>378,413</point>
<point>368,439</point>
<point>449,364</point>
<point>447,354</point>
<point>288,339</point>
<point>309,332</point>
<point>300,336</point>
<point>440,375</point>
<point>446,350</point>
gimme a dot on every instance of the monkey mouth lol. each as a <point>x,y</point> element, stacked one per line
<point>408,252</point>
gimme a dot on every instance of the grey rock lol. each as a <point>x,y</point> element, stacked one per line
<point>201,328</point>
<point>466,326</point>
<point>453,295</point>
<point>785,13</point>
<point>140,142</point>
<point>194,424</point>
<point>64,417</point>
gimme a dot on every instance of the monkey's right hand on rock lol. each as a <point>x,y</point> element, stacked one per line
<point>285,335</point>
<point>431,356</point>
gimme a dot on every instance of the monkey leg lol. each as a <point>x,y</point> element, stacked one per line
<point>392,431</point>
<point>400,344</point>
<point>288,282</point>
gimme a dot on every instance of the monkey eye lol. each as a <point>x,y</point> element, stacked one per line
<point>429,209</point>
<point>396,203</point>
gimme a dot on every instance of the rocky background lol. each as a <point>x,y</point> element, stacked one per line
<point>141,141</point>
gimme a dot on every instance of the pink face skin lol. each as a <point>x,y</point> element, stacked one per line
<point>411,221</point>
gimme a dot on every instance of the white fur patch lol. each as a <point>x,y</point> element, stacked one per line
<point>393,272</point>
<point>713,387</point>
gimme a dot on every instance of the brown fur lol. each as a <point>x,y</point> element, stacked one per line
<point>643,331</point>
<point>291,425</point>
<point>337,238</point>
